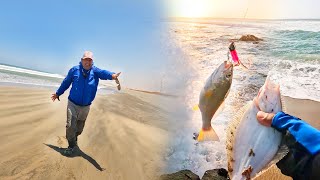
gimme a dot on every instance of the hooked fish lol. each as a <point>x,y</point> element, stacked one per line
<point>212,97</point>
<point>250,145</point>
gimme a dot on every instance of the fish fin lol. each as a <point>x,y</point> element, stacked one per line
<point>195,107</point>
<point>283,104</point>
<point>231,134</point>
<point>208,135</point>
<point>219,110</point>
<point>273,172</point>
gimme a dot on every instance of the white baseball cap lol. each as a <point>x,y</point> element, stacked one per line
<point>87,55</point>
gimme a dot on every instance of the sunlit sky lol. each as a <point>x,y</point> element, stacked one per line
<point>256,9</point>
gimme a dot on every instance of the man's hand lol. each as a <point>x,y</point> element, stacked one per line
<point>54,97</point>
<point>115,76</point>
<point>265,118</point>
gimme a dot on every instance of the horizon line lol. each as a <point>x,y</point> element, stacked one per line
<point>292,19</point>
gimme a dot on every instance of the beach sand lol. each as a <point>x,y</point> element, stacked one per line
<point>124,137</point>
<point>305,109</point>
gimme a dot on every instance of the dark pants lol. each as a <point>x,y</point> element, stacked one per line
<point>76,118</point>
<point>298,163</point>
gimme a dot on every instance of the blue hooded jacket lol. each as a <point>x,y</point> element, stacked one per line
<point>305,134</point>
<point>84,84</point>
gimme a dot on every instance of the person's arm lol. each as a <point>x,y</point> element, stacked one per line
<point>65,83</point>
<point>106,75</point>
<point>305,134</point>
<point>103,74</point>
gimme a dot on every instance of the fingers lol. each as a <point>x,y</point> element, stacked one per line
<point>116,75</point>
<point>265,118</point>
<point>53,97</point>
<point>261,115</point>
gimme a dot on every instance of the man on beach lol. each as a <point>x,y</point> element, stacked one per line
<point>84,79</point>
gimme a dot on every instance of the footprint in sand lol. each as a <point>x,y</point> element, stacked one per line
<point>61,140</point>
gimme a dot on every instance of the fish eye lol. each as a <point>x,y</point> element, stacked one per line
<point>228,75</point>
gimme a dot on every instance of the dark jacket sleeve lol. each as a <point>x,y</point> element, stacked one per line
<point>65,83</point>
<point>305,134</point>
<point>103,74</point>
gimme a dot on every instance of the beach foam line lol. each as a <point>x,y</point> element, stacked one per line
<point>30,84</point>
<point>27,71</point>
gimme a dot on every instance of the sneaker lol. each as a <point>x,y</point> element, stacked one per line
<point>68,151</point>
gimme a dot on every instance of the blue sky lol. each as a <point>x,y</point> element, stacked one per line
<point>52,35</point>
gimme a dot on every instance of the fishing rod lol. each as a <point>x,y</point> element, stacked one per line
<point>232,48</point>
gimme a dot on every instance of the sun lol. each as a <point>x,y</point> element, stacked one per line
<point>192,8</point>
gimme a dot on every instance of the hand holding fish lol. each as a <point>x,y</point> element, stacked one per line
<point>303,135</point>
<point>265,118</point>
<point>115,77</point>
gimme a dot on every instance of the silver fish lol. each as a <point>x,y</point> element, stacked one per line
<point>250,145</point>
<point>212,97</point>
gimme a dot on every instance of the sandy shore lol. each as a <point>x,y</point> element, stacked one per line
<point>124,137</point>
<point>305,109</point>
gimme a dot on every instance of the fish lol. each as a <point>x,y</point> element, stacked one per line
<point>212,97</point>
<point>251,147</point>
<point>118,84</point>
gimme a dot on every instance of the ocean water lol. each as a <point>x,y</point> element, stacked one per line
<point>289,54</point>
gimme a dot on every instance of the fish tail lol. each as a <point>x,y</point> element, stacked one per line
<point>195,107</point>
<point>207,135</point>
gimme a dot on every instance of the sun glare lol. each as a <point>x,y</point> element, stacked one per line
<point>192,8</point>
<point>222,8</point>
